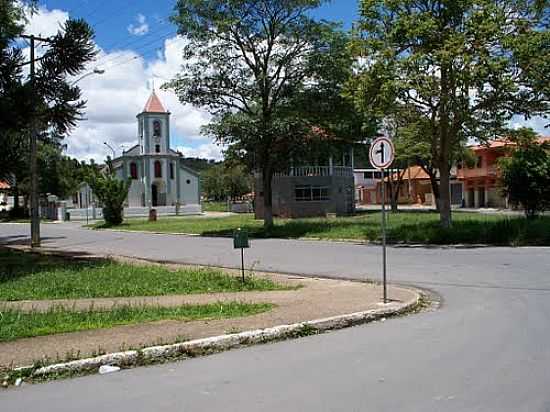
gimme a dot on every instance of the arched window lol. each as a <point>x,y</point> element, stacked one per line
<point>158,169</point>
<point>133,171</point>
<point>156,128</point>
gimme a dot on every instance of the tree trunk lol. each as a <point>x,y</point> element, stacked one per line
<point>435,190</point>
<point>267,178</point>
<point>445,195</point>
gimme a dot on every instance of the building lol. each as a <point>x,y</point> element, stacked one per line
<point>159,178</point>
<point>309,191</point>
<point>366,181</point>
<point>158,175</point>
<point>481,179</point>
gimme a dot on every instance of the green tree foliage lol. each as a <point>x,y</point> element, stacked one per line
<point>226,181</point>
<point>51,104</point>
<point>111,192</point>
<point>247,61</point>
<point>457,65</point>
<point>526,178</point>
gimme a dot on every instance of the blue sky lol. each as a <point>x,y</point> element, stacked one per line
<point>139,48</point>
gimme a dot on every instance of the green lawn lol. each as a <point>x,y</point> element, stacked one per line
<point>403,227</point>
<point>15,324</point>
<point>27,276</point>
<point>214,206</point>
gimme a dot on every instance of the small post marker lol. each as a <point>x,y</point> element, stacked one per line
<point>381,155</point>
<point>240,241</point>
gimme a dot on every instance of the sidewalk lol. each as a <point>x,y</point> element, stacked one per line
<point>317,298</point>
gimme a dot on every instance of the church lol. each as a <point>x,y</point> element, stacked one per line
<point>157,173</point>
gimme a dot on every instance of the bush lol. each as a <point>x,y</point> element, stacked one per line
<point>112,193</point>
<point>526,178</point>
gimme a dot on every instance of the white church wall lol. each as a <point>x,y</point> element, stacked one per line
<point>189,188</point>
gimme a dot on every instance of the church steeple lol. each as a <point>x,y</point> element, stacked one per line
<point>154,105</point>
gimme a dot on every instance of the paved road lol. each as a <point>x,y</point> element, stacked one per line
<point>486,349</point>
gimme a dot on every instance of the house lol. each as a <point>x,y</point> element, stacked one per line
<point>309,191</point>
<point>159,178</point>
<point>365,181</point>
<point>4,192</point>
<point>481,188</point>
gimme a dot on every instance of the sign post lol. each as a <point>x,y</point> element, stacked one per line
<point>240,241</point>
<point>382,155</point>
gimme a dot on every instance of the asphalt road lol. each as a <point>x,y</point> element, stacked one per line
<point>486,349</point>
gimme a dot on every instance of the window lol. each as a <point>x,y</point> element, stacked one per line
<point>157,148</point>
<point>158,169</point>
<point>156,128</point>
<point>133,171</point>
<point>368,175</point>
<point>309,193</point>
<point>172,171</point>
<point>479,162</point>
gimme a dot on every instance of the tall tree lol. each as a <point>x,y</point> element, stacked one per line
<point>51,103</point>
<point>246,61</point>
<point>455,63</point>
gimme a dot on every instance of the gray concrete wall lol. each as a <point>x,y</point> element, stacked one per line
<point>341,196</point>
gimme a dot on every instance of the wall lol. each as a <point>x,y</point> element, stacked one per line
<point>341,196</point>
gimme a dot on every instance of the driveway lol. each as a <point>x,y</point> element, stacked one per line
<point>486,349</point>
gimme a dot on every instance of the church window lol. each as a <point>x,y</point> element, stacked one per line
<point>172,171</point>
<point>133,171</point>
<point>157,148</point>
<point>156,128</point>
<point>158,169</point>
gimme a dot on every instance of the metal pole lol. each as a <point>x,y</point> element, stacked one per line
<point>242,262</point>
<point>35,215</point>
<point>384,237</point>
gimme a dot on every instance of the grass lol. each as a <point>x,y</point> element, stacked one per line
<point>214,206</point>
<point>28,276</point>
<point>16,324</point>
<point>403,227</point>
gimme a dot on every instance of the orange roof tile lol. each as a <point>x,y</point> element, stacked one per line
<point>4,185</point>
<point>154,105</point>
<point>415,172</point>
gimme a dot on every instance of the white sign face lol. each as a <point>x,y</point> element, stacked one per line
<point>382,153</point>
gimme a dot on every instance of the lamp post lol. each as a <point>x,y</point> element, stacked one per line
<point>110,147</point>
<point>94,71</point>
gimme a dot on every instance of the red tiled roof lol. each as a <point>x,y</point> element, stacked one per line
<point>4,185</point>
<point>415,172</point>
<point>154,105</point>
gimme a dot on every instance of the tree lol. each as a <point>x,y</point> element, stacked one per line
<point>526,178</point>
<point>455,64</point>
<point>51,104</point>
<point>226,181</point>
<point>246,60</point>
<point>111,192</point>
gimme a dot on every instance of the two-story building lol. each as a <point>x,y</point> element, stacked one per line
<point>308,191</point>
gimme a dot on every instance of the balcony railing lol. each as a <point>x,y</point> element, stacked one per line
<point>304,171</point>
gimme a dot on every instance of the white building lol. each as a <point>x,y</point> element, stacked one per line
<point>159,177</point>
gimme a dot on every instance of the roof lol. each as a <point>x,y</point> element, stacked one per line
<point>4,185</point>
<point>154,105</point>
<point>415,172</point>
<point>499,143</point>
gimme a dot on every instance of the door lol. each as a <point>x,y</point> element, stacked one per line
<point>154,195</point>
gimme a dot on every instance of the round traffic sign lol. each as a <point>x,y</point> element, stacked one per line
<point>382,153</point>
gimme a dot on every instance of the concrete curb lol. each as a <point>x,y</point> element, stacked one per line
<point>198,347</point>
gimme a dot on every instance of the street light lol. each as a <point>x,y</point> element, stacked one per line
<point>110,147</point>
<point>94,71</point>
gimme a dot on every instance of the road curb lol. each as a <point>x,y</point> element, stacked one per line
<point>205,346</point>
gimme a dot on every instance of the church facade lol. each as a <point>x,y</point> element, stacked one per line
<point>157,173</point>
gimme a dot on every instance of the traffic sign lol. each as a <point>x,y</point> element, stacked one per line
<point>382,153</point>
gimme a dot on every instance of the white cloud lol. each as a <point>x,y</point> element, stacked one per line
<point>117,96</point>
<point>208,151</point>
<point>45,22</point>
<point>141,28</point>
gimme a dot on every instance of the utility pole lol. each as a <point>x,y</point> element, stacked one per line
<point>35,201</point>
